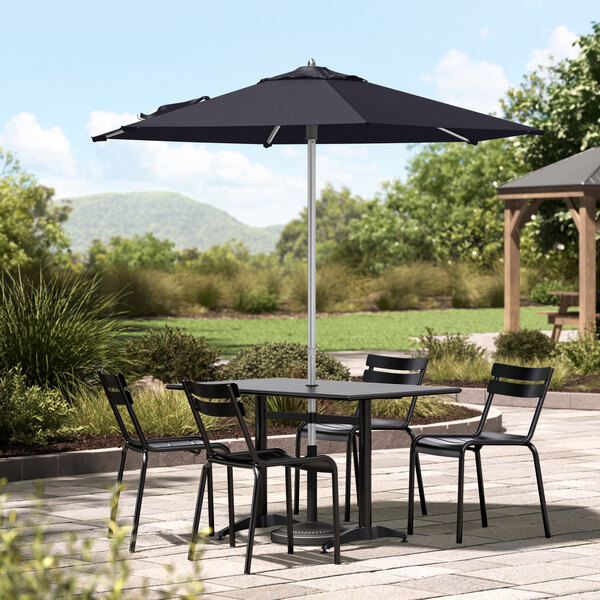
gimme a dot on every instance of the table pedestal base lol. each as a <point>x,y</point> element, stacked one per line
<point>261,521</point>
<point>361,534</point>
<point>308,533</point>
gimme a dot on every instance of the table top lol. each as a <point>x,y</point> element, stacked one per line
<point>332,390</point>
<point>566,294</point>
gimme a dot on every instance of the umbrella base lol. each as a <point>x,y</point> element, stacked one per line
<point>308,533</point>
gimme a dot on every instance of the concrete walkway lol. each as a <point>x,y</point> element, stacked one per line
<point>509,560</point>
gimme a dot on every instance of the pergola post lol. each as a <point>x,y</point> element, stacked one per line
<point>512,264</point>
<point>587,264</point>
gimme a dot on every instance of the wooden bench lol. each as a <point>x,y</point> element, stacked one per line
<point>562,316</point>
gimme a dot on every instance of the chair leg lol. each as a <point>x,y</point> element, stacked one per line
<point>356,466</point>
<point>117,493</point>
<point>349,456</point>
<point>211,503</point>
<point>297,477</point>
<point>252,523</point>
<point>138,502</point>
<point>459,507</point>
<point>288,510</point>
<point>484,522</point>
<point>540,484</point>
<point>419,476</point>
<point>411,491</point>
<point>201,486</point>
<point>336,519</point>
<point>231,505</point>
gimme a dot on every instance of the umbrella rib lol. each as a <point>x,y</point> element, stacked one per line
<point>271,137</point>
<point>460,137</point>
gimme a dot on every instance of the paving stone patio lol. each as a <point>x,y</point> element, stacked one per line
<point>509,560</point>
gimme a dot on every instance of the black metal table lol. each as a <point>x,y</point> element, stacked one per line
<point>362,392</point>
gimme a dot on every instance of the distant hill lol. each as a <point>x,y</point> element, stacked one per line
<point>186,222</point>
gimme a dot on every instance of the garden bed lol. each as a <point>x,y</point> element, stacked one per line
<point>113,440</point>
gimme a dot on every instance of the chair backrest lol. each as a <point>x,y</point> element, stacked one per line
<point>406,370</point>
<point>118,396</point>
<point>519,382</point>
<point>198,393</point>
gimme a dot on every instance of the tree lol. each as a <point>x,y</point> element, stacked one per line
<point>139,252</point>
<point>335,211</point>
<point>447,210</point>
<point>30,224</point>
<point>564,101</point>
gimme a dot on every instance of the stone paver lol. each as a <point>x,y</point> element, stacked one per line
<point>508,560</point>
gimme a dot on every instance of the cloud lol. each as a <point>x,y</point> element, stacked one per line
<point>560,46</point>
<point>467,83</point>
<point>37,148</point>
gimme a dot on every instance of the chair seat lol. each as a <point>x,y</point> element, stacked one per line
<point>441,445</point>
<point>331,431</point>
<point>278,457</point>
<point>190,444</point>
<point>388,424</point>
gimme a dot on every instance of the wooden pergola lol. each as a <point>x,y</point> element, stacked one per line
<point>576,180</point>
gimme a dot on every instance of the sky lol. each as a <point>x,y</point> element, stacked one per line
<point>76,69</point>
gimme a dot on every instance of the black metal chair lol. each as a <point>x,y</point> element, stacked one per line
<point>405,371</point>
<point>119,396</point>
<point>256,460</point>
<point>508,380</point>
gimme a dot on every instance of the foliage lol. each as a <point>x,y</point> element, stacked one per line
<point>583,353</point>
<point>57,330</point>
<point>539,292</point>
<point>205,290</point>
<point>332,287</point>
<point>171,355</point>
<point>407,286</point>
<point>282,359</point>
<point>334,213</point>
<point>475,289</point>
<point>29,414</point>
<point>563,100</point>
<point>254,301</point>
<point>33,568</point>
<point>447,210</point>
<point>30,224</point>
<point>141,292</point>
<point>160,414</point>
<point>456,347</point>
<point>525,344</point>
<point>140,252</point>
<point>224,261</point>
<point>426,406</point>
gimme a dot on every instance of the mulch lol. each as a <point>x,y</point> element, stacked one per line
<point>112,440</point>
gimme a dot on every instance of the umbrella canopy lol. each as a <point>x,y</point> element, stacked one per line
<point>308,106</point>
<point>346,108</point>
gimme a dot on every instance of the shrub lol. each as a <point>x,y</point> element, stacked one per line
<point>34,568</point>
<point>455,347</point>
<point>29,414</point>
<point>283,359</point>
<point>525,344</point>
<point>470,289</point>
<point>55,330</point>
<point>582,353</point>
<point>172,355</point>
<point>332,287</point>
<point>142,292</point>
<point>405,287</point>
<point>160,414</point>
<point>539,292</point>
<point>254,301</point>
<point>205,290</point>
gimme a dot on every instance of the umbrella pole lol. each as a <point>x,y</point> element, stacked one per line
<point>311,450</point>
<point>311,532</point>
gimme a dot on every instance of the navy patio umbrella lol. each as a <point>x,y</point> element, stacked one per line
<point>314,105</point>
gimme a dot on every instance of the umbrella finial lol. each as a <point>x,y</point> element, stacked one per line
<point>311,62</point>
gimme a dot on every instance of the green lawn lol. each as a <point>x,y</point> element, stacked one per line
<point>376,331</point>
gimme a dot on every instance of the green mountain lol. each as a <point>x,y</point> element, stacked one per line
<point>186,222</point>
